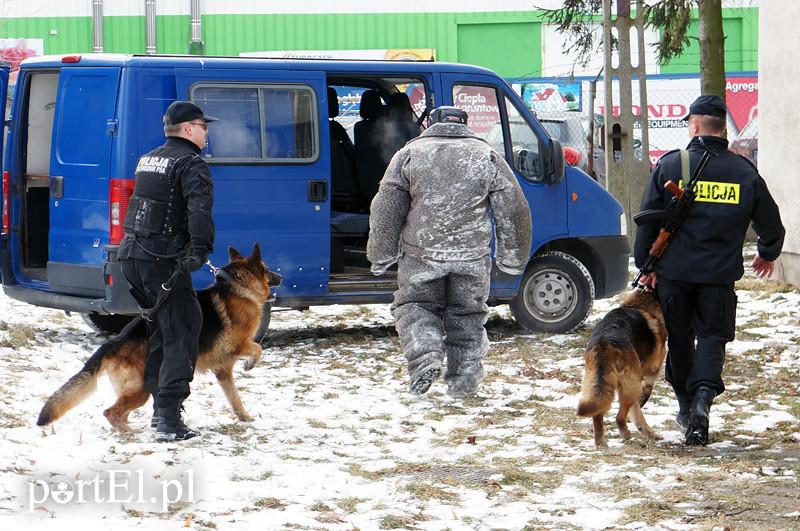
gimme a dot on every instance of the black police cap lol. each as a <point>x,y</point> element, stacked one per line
<point>709,105</point>
<point>446,114</point>
<point>185,111</point>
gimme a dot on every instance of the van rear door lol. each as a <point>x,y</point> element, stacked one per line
<point>83,126</point>
<point>5,198</point>
<point>270,161</point>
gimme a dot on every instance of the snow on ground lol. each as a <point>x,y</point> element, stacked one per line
<point>338,443</point>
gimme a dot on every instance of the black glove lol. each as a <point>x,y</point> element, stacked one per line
<point>192,263</point>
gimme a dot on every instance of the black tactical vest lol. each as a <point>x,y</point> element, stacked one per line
<point>155,208</point>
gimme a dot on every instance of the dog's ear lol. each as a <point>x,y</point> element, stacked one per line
<point>233,254</point>
<point>255,256</point>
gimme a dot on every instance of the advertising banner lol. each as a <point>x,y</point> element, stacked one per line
<point>14,51</point>
<point>668,103</point>
<point>393,54</point>
<point>544,97</point>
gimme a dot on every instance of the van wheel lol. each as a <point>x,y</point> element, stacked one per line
<point>107,324</point>
<point>261,333</point>
<point>556,294</point>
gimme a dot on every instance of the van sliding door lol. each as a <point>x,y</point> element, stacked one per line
<point>270,168</point>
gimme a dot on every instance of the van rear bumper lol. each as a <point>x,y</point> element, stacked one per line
<point>117,300</point>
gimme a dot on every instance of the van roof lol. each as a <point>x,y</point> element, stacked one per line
<point>265,63</point>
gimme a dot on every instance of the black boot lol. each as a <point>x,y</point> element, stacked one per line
<point>684,404</point>
<point>171,426</point>
<point>697,431</point>
<point>154,418</point>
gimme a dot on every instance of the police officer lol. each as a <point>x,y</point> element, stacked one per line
<point>433,215</point>
<point>695,277</point>
<point>168,234</point>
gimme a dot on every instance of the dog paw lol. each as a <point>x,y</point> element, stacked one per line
<point>249,364</point>
<point>244,417</point>
<point>602,445</point>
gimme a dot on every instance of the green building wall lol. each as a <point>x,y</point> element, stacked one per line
<point>507,42</point>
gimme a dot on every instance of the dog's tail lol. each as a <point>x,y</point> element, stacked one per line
<point>83,384</point>
<point>598,387</point>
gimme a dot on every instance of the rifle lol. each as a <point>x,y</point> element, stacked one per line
<point>675,214</point>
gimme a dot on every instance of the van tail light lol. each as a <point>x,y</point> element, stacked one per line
<point>119,192</point>
<point>6,203</point>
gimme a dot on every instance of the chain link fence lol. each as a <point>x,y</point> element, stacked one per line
<point>563,108</point>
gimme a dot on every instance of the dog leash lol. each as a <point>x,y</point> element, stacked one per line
<point>219,272</point>
<point>166,289</point>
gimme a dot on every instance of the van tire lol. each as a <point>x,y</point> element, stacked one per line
<point>261,333</point>
<point>539,305</point>
<point>106,324</point>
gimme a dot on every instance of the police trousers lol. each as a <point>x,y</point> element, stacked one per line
<point>173,332</point>
<point>701,320</point>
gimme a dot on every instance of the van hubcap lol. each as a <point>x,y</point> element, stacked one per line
<point>550,295</point>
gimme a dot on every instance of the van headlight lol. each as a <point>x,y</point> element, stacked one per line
<point>623,225</point>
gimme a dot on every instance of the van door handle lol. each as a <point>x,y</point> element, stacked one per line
<point>57,186</point>
<point>317,191</point>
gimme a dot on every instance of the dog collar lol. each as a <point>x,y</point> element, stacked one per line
<point>223,275</point>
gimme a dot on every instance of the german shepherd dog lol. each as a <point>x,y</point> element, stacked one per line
<point>232,310</point>
<point>624,355</point>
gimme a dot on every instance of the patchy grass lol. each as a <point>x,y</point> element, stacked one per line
<point>391,521</point>
<point>349,504</point>
<point>18,336</point>
<point>423,491</point>
<point>764,287</point>
<point>270,503</point>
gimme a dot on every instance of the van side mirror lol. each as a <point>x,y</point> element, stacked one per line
<point>555,170</point>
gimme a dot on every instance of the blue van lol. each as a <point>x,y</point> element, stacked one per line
<point>296,156</point>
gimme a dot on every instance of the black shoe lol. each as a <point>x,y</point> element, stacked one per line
<point>684,405</point>
<point>697,431</point>
<point>171,426</point>
<point>423,382</point>
<point>154,418</point>
<point>682,420</point>
<point>177,432</point>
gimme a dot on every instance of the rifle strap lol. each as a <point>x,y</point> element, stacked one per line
<point>685,173</point>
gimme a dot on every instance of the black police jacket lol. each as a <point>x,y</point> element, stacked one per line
<point>707,249</point>
<point>177,178</point>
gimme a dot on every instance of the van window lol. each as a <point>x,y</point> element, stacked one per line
<point>260,123</point>
<point>481,105</point>
<point>524,145</point>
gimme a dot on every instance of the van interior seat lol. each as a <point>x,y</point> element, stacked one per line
<point>370,163</point>
<point>399,126</point>
<point>344,186</point>
<point>349,223</point>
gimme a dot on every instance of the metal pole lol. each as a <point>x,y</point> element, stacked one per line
<point>625,174</point>
<point>196,45</point>
<point>591,156</point>
<point>97,24</point>
<point>150,26</point>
